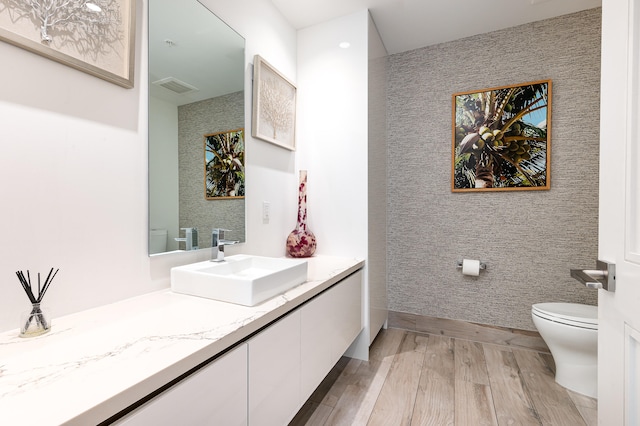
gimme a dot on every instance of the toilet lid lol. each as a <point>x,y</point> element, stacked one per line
<point>585,316</point>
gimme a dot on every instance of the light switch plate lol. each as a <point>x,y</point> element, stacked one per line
<point>265,212</point>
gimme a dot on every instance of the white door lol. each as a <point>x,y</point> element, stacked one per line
<point>619,215</point>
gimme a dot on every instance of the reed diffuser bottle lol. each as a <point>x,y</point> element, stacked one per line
<point>36,321</point>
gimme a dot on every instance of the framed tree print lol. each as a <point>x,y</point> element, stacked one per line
<point>96,37</point>
<point>274,106</point>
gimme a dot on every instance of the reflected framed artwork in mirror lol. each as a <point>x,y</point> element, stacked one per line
<point>224,164</point>
<point>94,37</point>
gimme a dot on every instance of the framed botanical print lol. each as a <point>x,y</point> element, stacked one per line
<point>224,164</point>
<point>500,138</point>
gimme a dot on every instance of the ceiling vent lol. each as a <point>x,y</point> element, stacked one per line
<point>175,85</point>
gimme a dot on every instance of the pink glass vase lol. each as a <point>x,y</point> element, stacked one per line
<point>301,242</point>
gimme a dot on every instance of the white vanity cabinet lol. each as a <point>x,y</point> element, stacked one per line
<point>289,359</point>
<point>330,323</point>
<point>214,395</point>
<point>274,372</point>
<point>267,379</point>
<point>269,357</point>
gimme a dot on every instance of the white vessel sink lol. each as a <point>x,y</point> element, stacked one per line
<point>242,279</point>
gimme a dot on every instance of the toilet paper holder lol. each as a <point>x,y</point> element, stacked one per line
<point>483,265</point>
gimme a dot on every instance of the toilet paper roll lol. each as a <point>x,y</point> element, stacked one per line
<point>471,267</point>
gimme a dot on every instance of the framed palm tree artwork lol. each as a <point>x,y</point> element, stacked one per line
<point>500,138</point>
<point>224,165</point>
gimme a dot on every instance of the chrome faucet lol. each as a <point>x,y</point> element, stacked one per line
<point>190,238</point>
<point>217,244</point>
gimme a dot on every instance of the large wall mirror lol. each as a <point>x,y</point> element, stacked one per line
<point>196,121</point>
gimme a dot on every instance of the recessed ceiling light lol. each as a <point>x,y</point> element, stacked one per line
<point>345,45</point>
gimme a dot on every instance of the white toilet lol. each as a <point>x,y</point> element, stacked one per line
<point>570,330</point>
<point>157,241</point>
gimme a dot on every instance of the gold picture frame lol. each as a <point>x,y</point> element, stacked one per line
<point>96,37</point>
<point>274,106</point>
<point>501,138</point>
<point>224,165</point>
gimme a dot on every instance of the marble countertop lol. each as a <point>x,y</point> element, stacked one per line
<point>95,363</point>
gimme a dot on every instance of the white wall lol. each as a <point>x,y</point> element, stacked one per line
<point>378,176</point>
<point>73,166</point>
<point>332,132</point>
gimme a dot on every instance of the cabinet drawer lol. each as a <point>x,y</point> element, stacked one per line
<point>274,373</point>
<point>330,323</point>
<point>214,395</point>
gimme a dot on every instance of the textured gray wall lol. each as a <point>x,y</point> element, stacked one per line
<point>194,121</point>
<point>529,239</point>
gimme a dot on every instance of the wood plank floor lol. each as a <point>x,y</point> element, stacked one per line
<point>413,378</point>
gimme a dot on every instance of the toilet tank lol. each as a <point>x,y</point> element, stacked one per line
<point>157,241</point>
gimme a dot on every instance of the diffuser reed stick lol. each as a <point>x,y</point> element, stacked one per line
<point>41,323</point>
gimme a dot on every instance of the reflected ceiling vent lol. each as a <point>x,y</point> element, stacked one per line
<point>175,85</point>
